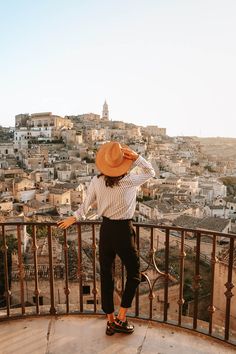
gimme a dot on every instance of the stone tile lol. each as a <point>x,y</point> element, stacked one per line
<point>25,336</point>
<point>164,339</point>
<point>86,335</point>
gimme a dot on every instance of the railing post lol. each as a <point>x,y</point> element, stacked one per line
<point>167,251</point>
<point>182,255</point>
<point>229,286</point>
<point>34,249</point>
<point>211,308</point>
<point>137,290</point>
<point>66,290</point>
<point>6,270</point>
<point>51,272</point>
<point>152,256</point>
<point>94,247</point>
<point>80,268</point>
<point>196,280</point>
<point>21,270</point>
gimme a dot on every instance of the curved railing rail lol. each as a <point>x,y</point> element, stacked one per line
<point>38,260</point>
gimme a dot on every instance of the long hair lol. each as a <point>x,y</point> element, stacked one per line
<point>111,181</point>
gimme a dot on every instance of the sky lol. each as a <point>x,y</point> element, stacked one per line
<point>170,63</point>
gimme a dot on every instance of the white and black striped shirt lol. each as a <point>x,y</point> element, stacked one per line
<point>118,202</point>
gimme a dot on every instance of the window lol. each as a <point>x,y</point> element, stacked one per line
<point>40,300</point>
<point>86,289</point>
<point>91,302</point>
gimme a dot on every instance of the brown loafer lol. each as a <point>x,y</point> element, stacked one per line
<point>123,326</point>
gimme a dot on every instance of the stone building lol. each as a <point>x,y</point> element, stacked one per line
<point>77,191</point>
<point>59,196</point>
<point>155,130</point>
<point>38,126</point>
<point>6,149</point>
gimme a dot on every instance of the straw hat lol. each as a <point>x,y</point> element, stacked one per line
<point>110,160</point>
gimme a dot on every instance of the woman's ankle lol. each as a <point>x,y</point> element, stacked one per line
<point>121,318</point>
<point>111,317</point>
<point>122,314</point>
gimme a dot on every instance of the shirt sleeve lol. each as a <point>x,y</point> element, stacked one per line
<point>147,172</point>
<point>81,212</point>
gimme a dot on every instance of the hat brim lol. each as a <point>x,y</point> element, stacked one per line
<point>107,170</point>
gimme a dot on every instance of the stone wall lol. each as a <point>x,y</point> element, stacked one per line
<point>59,291</point>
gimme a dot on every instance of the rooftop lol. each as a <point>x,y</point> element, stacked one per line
<point>208,223</point>
<point>213,223</point>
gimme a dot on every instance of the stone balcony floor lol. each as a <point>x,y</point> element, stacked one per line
<point>85,334</point>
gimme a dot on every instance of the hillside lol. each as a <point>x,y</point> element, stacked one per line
<point>219,147</point>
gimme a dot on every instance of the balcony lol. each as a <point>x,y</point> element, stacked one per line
<point>184,303</point>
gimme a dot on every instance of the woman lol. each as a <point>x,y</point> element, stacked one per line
<point>114,191</point>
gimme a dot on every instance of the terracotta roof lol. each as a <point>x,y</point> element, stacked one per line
<point>37,204</point>
<point>214,224</point>
<point>208,223</point>
<point>186,221</point>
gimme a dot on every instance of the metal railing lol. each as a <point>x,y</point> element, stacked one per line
<point>164,272</point>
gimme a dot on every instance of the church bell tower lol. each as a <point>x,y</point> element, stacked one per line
<point>105,112</point>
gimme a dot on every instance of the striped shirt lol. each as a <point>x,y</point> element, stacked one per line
<point>118,202</point>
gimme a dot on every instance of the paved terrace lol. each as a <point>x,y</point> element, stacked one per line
<point>84,334</point>
<point>80,332</point>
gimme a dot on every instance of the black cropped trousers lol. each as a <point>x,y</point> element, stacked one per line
<point>117,237</point>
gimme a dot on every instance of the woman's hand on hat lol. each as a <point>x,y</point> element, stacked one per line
<point>129,154</point>
<point>63,224</point>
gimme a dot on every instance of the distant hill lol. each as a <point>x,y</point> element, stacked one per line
<point>219,147</point>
